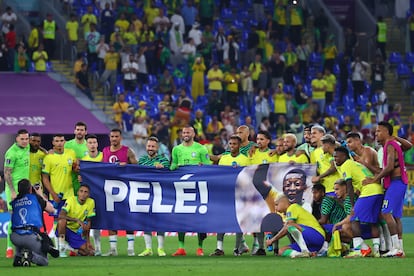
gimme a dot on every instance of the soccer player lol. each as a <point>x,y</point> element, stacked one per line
<point>153,159</point>
<point>306,146</point>
<point>93,155</point>
<point>75,222</point>
<point>122,155</point>
<point>309,236</point>
<point>344,226</point>
<point>37,154</point>
<point>395,181</point>
<point>189,152</point>
<point>235,159</point>
<point>325,165</point>
<point>259,156</point>
<point>78,145</point>
<point>317,132</point>
<point>291,155</point>
<point>57,170</point>
<point>365,155</point>
<point>368,205</point>
<point>16,168</point>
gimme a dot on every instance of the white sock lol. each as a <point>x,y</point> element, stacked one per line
<point>148,240</point>
<point>255,240</point>
<point>61,243</point>
<point>130,238</point>
<point>113,241</point>
<point>401,244</point>
<point>376,244</point>
<point>161,238</point>
<point>387,236</point>
<point>357,241</point>
<point>383,244</point>
<point>96,233</point>
<point>298,237</point>
<point>220,245</point>
<point>324,247</point>
<point>395,242</point>
<point>294,253</point>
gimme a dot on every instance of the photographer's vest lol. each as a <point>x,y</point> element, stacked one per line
<point>382,32</point>
<point>49,29</point>
<point>27,215</point>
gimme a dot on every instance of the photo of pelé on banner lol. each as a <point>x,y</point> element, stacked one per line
<point>257,187</point>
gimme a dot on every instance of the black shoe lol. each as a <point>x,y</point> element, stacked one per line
<point>217,252</point>
<point>17,261</point>
<point>260,252</point>
<point>53,252</point>
<point>236,252</point>
<point>26,257</point>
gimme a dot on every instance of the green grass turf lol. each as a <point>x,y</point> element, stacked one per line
<point>226,265</point>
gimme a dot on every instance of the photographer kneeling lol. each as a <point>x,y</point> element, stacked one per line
<point>32,246</point>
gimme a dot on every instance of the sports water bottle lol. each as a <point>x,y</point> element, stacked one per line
<point>268,237</point>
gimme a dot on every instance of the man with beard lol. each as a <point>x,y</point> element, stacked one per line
<point>291,155</point>
<point>37,154</point>
<point>317,132</point>
<point>78,145</point>
<point>159,161</point>
<point>122,155</point>
<point>189,152</point>
<point>306,146</point>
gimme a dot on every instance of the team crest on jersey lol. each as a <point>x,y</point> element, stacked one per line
<point>343,174</point>
<point>70,161</point>
<point>193,154</point>
<point>264,161</point>
<point>288,214</point>
<point>85,213</point>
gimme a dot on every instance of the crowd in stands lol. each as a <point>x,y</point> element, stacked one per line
<point>240,64</point>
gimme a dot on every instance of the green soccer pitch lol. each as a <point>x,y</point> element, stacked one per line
<point>225,265</point>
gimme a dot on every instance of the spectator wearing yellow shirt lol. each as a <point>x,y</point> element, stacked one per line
<point>111,61</point>
<point>295,18</point>
<point>256,68</point>
<point>330,80</point>
<point>72,27</point>
<point>319,87</point>
<point>330,52</point>
<point>122,23</point>
<point>130,38</point>
<point>33,41</point>
<point>291,59</point>
<point>279,16</point>
<point>280,104</point>
<point>215,77</point>
<point>120,107</point>
<point>87,19</point>
<point>232,87</point>
<point>146,34</point>
<point>151,13</point>
<point>40,58</point>
<point>197,83</point>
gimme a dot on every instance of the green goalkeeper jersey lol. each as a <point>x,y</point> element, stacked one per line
<point>189,155</point>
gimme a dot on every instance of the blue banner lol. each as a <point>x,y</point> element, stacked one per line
<point>4,223</point>
<point>191,198</point>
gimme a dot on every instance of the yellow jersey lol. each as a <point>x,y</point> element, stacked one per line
<point>36,163</point>
<point>239,161</point>
<point>74,209</point>
<point>285,158</point>
<point>299,215</point>
<point>323,163</point>
<point>72,29</point>
<point>262,157</point>
<point>59,168</point>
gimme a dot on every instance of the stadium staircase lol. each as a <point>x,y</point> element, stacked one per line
<point>395,86</point>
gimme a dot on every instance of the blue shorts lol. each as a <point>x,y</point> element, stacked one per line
<point>367,209</point>
<point>394,198</point>
<point>328,227</point>
<point>74,240</point>
<point>313,239</point>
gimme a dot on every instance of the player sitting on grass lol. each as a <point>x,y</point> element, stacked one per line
<point>309,236</point>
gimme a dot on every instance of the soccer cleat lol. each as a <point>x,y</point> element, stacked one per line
<point>17,261</point>
<point>394,253</point>
<point>255,247</point>
<point>146,252</point>
<point>200,252</point>
<point>112,252</point>
<point>375,254</point>
<point>73,253</point>
<point>244,249</point>
<point>62,254</point>
<point>179,252</point>
<point>98,253</point>
<point>259,252</point>
<point>9,253</point>
<point>303,254</point>
<point>354,254</point>
<point>161,252</point>
<point>26,257</point>
<point>131,252</point>
<point>217,252</point>
<point>366,252</point>
<point>236,252</point>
